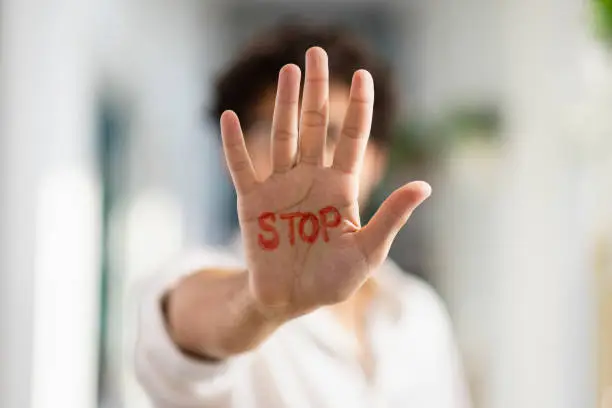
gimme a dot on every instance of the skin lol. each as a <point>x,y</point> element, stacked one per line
<point>259,145</point>
<point>316,157</point>
<point>259,142</point>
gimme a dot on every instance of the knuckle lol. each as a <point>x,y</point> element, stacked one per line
<point>239,165</point>
<point>233,145</point>
<point>284,135</point>
<point>314,80</point>
<point>310,158</point>
<point>361,100</point>
<point>282,166</point>
<point>314,118</point>
<point>353,132</point>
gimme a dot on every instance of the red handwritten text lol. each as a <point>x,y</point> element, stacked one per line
<point>309,227</point>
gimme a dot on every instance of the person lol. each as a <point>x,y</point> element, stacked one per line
<point>307,311</point>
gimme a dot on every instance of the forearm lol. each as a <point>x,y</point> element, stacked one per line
<point>213,314</point>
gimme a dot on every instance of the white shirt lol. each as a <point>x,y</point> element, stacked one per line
<point>311,362</point>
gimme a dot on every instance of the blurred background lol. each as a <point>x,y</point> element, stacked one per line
<point>108,167</point>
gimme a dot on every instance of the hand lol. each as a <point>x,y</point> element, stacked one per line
<point>304,243</point>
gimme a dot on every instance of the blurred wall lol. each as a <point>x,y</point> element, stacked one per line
<point>158,60</point>
<point>511,225</point>
<point>49,214</point>
<point>510,237</point>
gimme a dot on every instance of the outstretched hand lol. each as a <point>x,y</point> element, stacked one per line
<point>305,246</point>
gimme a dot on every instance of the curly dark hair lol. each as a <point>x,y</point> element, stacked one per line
<point>256,70</point>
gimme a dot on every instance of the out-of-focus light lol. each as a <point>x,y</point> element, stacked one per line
<point>154,231</point>
<point>66,292</point>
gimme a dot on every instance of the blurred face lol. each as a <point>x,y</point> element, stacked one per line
<point>258,141</point>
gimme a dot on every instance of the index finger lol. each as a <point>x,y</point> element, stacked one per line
<point>236,155</point>
<point>357,123</point>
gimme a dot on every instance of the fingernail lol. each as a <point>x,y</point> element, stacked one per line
<point>426,188</point>
<point>316,57</point>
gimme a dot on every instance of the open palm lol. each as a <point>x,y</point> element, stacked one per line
<point>304,243</point>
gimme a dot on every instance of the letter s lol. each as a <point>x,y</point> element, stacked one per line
<point>268,244</point>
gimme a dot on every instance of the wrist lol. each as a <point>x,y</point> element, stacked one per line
<point>214,315</point>
<point>183,348</point>
<point>267,317</point>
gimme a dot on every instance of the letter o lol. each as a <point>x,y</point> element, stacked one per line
<point>314,230</point>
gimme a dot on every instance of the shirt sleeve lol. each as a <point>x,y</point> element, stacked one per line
<point>171,378</point>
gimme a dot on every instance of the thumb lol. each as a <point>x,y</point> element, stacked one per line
<point>375,239</point>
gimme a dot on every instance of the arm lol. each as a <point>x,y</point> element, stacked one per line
<point>304,244</point>
<point>300,227</point>
<point>212,314</point>
<point>172,375</point>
